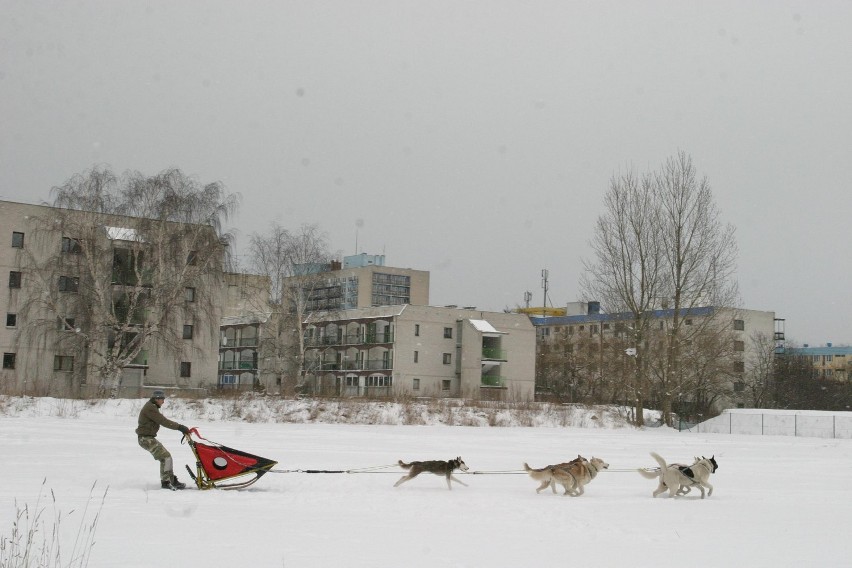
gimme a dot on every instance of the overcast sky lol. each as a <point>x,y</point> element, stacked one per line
<point>473,139</point>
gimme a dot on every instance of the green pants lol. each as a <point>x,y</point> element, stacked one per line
<point>160,453</point>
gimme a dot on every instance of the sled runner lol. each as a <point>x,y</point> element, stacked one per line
<point>216,463</point>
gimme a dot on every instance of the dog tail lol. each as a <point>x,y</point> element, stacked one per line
<point>527,467</point>
<point>659,460</point>
<point>651,473</point>
<point>404,465</point>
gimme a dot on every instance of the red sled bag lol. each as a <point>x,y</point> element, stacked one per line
<point>215,463</point>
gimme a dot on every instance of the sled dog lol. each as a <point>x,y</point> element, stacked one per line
<point>678,479</point>
<point>545,474</point>
<point>576,475</point>
<point>438,467</point>
<point>571,475</point>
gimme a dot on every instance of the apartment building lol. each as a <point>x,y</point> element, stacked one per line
<point>363,281</point>
<point>829,361</point>
<point>51,344</point>
<point>248,338</point>
<point>420,351</point>
<point>611,340</point>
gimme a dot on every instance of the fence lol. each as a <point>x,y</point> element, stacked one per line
<point>825,425</point>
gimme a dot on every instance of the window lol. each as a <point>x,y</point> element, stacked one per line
<point>192,258</point>
<point>68,283</point>
<point>187,332</point>
<point>71,246</point>
<point>185,369</point>
<point>448,333</point>
<point>14,279</point>
<point>415,384</point>
<point>8,360</point>
<point>445,385</point>
<point>63,363</point>
<point>605,327</point>
<point>687,321</point>
<point>380,381</point>
<point>739,325</point>
<point>65,324</point>
<point>189,294</point>
<point>739,345</point>
<point>739,367</point>
<point>17,240</point>
<point>416,356</point>
<point>416,330</point>
<point>448,358</point>
<point>11,320</point>
<point>739,386</point>
<point>593,329</point>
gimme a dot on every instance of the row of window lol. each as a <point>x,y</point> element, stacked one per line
<point>448,331</point>
<point>739,325</point>
<point>447,358</point>
<point>67,324</point>
<point>68,244</point>
<point>72,284</point>
<point>445,384</point>
<point>66,363</point>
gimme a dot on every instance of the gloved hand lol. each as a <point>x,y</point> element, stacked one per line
<point>183,429</point>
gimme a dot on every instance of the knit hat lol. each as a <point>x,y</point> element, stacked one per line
<point>158,394</point>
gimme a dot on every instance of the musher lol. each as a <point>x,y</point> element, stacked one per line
<point>150,421</point>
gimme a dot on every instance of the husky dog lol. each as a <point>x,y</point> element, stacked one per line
<point>545,474</point>
<point>438,467</point>
<point>679,479</point>
<point>578,474</point>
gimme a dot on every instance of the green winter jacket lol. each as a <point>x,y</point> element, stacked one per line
<point>150,420</point>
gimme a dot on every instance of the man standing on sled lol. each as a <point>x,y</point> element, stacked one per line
<point>150,421</point>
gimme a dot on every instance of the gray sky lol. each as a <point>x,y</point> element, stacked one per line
<point>471,139</point>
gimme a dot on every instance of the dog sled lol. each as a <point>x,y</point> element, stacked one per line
<point>216,464</point>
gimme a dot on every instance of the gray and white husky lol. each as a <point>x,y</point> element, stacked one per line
<point>438,467</point>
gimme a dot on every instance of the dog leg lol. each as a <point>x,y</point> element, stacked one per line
<point>544,485</point>
<point>456,479</point>
<point>710,489</point>
<point>402,480</point>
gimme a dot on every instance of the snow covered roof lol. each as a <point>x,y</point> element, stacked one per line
<point>123,234</point>
<point>485,327</point>
<point>247,319</point>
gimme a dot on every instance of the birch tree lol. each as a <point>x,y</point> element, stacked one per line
<point>294,263</point>
<point>132,248</point>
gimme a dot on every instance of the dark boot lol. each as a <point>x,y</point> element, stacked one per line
<point>177,484</point>
<point>167,485</point>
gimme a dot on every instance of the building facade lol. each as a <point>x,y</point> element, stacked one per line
<point>363,281</point>
<point>409,350</point>
<point>599,351</point>
<point>829,361</point>
<point>51,342</point>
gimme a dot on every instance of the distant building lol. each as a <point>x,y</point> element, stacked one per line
<point>829,361</point>
<point>603,344</point>
<point>409,350</point>
<point>363,281</point>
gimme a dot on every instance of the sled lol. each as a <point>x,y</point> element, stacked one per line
<point>215,463</point>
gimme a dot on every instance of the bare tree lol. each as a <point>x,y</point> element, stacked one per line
<point>699,259</point>
<point>660,245</point>
<point>625,274</point>
<point>132,248</point>
<point>294,263</point>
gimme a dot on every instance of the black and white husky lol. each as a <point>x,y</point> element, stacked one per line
<point>438,467</point>
<point>678,479</point>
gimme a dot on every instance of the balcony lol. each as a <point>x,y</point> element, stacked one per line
<point>234,365</point>
<point>350,339</point>
<point>493,354</point>
<point>493,381</point>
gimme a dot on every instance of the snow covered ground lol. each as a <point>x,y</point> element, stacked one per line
<point>778,501</point>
